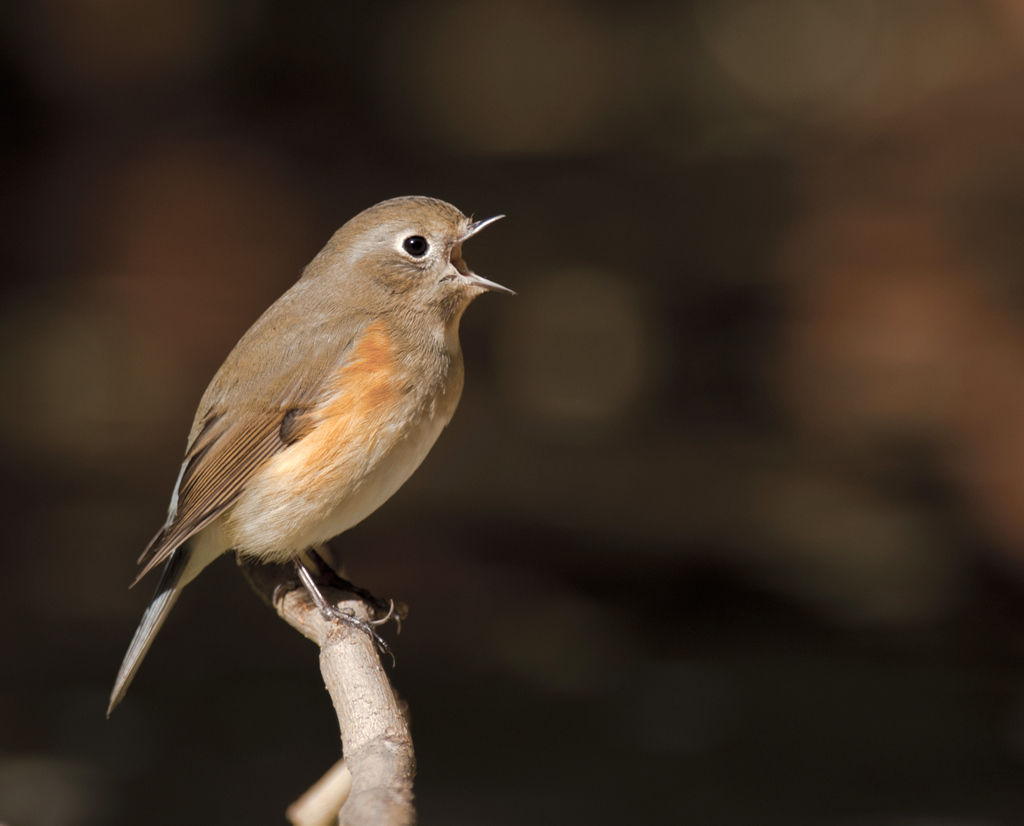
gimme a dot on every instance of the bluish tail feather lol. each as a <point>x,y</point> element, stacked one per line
<point>167,591</point>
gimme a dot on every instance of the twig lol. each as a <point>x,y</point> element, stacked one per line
<point>375,736</point>
<point>320,805</point>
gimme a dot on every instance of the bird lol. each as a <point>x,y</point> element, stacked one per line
<point>326,405</point>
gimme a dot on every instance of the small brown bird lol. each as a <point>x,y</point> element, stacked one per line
<point>326,405</point>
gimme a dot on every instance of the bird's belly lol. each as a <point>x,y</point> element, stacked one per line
<point>330,480</point>
<point>381,482</point>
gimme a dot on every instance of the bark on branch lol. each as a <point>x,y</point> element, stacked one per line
<point>374,732</point>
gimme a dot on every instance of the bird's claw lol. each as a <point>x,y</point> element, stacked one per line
<point>391,613</point>
<point>397,611</point>
<point>333,612</point>
<point>349,619</point>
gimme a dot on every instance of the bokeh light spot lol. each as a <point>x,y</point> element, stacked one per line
<point>791,51</point>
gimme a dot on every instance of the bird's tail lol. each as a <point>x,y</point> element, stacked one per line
<point>167,591</point>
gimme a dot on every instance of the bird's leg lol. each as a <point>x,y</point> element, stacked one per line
<point>328,576</point>
<point>332,612</point>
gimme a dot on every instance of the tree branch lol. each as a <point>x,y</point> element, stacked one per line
<point>374,733</point>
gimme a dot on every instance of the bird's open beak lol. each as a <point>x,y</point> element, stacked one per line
<point>480,281</point>
<point>476,226</point>
<point>465,272</point>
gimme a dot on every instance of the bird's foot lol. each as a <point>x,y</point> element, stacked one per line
<point>347,617</point>
<point>327,576</point>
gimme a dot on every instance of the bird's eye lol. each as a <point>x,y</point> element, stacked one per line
<point>416,246</point>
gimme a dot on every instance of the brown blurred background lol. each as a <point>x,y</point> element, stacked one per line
<point>729,528</point>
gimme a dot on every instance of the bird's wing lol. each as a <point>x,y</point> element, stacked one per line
<point>216,469</point>
<point>239,427</point>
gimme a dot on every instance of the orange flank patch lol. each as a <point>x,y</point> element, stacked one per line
<point>368,378</point>
<point>363,400</point>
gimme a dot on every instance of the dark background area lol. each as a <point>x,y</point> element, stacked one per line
<point>728,528</point>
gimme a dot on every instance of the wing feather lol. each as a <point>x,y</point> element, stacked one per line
<point>213,481</point>
<point>235,433</point>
